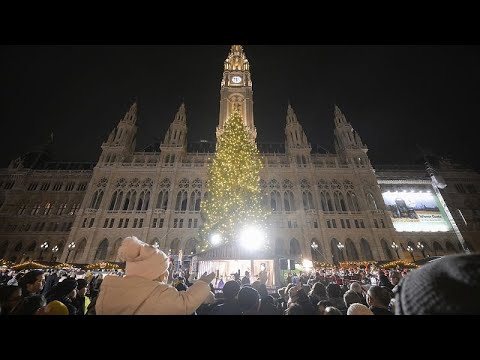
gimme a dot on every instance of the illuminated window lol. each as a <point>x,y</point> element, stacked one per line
<point>48,207</point>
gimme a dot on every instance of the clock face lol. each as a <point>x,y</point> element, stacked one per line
<point>236,79</point>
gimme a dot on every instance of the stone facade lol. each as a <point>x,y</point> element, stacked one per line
<point>315,197</point>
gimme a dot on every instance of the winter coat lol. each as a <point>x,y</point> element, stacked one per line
<point>134,295</point>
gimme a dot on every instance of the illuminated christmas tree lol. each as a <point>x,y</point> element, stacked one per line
<point>234,196</point>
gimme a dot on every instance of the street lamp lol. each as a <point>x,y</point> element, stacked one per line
<point>43,247</point>
<point>395,247</point>
<point>421,247</point>
<point>156,244</point>
<point>410,250</point>
<point>54,250</point>
<point>340,247</point>
<point>71,246</point>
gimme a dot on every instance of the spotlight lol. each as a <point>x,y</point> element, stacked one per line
<point>252,238</point>
<point>216,239</point>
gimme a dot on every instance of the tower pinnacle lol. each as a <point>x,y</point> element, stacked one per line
<point>236,60</point>
<point>236,92</point>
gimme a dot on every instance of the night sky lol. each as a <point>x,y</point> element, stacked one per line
<point>395,96</point>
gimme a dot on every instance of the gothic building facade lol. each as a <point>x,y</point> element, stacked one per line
<point>317,200</point>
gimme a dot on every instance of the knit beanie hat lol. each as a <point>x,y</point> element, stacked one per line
<point>358,309</point>
<point>56,307</point>
<point>142,259</point>
<point>450,285</point>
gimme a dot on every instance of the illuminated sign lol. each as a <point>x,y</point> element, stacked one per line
<point>416,211</point>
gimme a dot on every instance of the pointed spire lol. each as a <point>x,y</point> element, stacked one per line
<point>131,115</point>
<point>181,116</point>
<point>236,60</point>
<point>291,116</point>
<point>236,50</point>
<point>339,117</point>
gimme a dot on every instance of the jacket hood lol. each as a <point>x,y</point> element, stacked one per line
<point>133,290</point>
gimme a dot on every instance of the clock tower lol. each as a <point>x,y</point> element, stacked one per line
<point>236,90</point>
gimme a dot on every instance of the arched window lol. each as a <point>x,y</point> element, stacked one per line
<point>97,199</point>
<point>329,202</point>
<point>352,201</point>
<point>18,247</point>
<point>437,249</point>
<point>323,201</point>
<point>336,252</point>
<point>190,247</point>
<point>140,202</point>
<point>351,250</point>
<point>339,201</point>
<point>386,250</point>
<point>79,249</point>
<point>265,200</point>
<point>326,201</point>
<point>126,202</point>
<point>289,201</point>
<point>101,253</point>
<point>146,201</point>
<point>275,201</point>
<point>181,204</point>
<point>371,202</point>
<point>317,251</point>
<point>143,200</point>
<point>295,248</point>
<point>195,199</point>
<point>116,200</point>
<point>162,201</point>
<point>450,248</point>
<point>133,200</point>
<point>366,250</point>
<point>426,248</point>
<point>307,200</point>
<point>114,253</point>
<point>174,247</point>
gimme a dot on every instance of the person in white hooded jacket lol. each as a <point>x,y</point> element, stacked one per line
<point>143,290</point>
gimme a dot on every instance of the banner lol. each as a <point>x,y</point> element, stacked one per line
<point>416,211</point>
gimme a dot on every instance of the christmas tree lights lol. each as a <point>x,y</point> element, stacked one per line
<point>234,195</point>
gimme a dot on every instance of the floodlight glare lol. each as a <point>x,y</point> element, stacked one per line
<point>307,264</point>
<point>252,238</point>
<point>216,239</point>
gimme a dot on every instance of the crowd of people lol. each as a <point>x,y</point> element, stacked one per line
<point>450,285</point>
